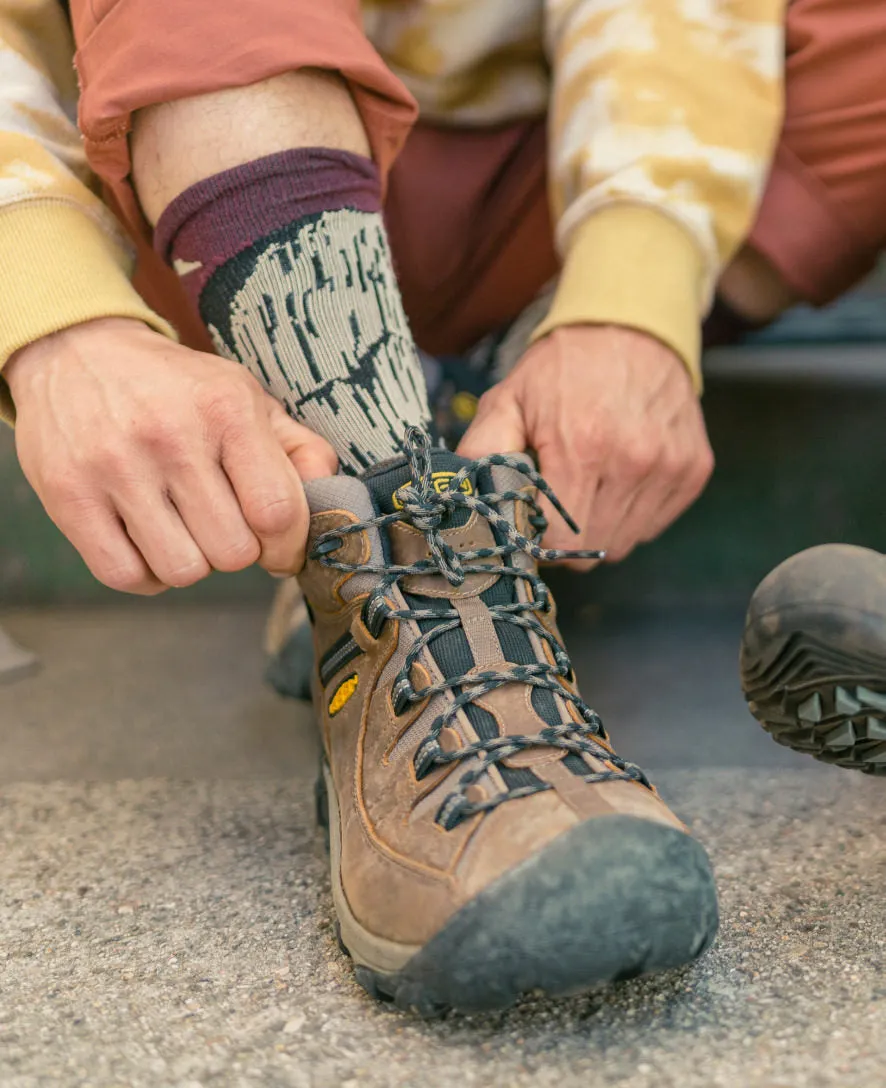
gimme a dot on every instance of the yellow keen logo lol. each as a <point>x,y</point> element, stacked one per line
<point>342,694</point>
<point>440,482</point>
<point>464,406</point>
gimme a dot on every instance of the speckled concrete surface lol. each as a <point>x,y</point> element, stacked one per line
<point>175,930</point>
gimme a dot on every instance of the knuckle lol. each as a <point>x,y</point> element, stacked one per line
<point>593,447</point>
<point>122,577</point>
<point>62,483</point>
<point>701,471</point>
<point>639,459</point>
<point>112,459</point>
<point>186,574</point>
<point>706,464</point>
<point>164,437</point>
<point>283,565</point>
<point>237,555</point>
<point>273,516</point>
<point>672,464</point>
<point>224,402</point>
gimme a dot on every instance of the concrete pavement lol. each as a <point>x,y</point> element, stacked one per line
<point>164,905</point>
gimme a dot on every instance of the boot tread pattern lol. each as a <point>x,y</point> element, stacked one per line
<point>818,700</point>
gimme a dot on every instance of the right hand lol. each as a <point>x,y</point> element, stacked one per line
<point>161,464</point>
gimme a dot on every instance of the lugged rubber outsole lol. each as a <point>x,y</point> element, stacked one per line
<point>813,657</point>
<point>601,903</point>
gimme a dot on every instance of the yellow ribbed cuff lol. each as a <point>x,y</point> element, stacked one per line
<point>58,268</point>
<point>630,265</point>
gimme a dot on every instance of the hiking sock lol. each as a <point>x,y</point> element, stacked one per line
<point>288,262</point>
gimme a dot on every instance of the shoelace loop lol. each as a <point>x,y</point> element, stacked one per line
<point>424,508</point>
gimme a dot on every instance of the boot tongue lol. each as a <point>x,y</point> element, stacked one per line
<point>384,482</point>
<point>451,648</point>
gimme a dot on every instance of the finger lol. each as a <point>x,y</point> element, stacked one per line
<point>688,487</point>
<point>644,511</point>
<point>498,427</point>
<point>270,495</point>
<point>579,500</point>
<point>100,537</point>
<point>674,484</point>
<point>155,526</point>
<point>674,504</point>
<point>630,470</point>
<point>211,513</point>
<point>310,454</point>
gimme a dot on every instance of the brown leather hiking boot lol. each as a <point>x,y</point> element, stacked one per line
<point>486,841</point>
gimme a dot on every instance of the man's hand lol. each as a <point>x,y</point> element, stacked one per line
<point>616,425</point>
<point>160,464</point>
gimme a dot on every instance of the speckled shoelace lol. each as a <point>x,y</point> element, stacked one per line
<point>428,510</point>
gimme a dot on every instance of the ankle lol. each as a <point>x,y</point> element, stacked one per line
<point>177,144</point>
<point>287,261</point>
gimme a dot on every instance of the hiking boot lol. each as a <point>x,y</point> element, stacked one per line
<point>289,643</point>
<point>486,841</point>
<point>455,385</point>
<point>813,655</point>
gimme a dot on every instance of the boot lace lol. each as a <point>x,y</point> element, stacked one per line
<point>429,511</point>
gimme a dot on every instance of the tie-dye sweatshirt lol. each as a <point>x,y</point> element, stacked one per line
<point>663,115</point>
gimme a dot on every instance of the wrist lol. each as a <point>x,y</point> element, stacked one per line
<point>24,364</point>
<point>634,267</point>
<point>608,340</point>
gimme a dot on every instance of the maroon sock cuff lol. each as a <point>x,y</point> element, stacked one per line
<point>221,216</point>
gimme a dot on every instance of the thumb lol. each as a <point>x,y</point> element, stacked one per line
<point>310,454</point>
<point>498,427</point>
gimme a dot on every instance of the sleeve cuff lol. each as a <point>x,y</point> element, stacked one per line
<point>59,268</point>
<point>632,265</point>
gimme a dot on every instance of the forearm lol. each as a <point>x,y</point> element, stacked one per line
<point>657,110</point>
<point>63,259</point>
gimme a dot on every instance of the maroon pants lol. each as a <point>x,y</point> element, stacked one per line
<point>468,210</point>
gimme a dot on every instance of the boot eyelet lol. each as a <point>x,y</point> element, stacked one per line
<point>401,696</point>
<point>374,613</point>
<point>452,811</point>
<point>426,757</point>
<point>327,547</point>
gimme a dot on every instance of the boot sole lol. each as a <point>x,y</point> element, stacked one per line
<point>813,656</point>
<point>630,898</point>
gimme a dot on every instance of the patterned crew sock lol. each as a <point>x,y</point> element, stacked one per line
<point>287,259</point>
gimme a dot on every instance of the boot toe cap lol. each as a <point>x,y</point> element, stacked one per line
<point>613,898</point>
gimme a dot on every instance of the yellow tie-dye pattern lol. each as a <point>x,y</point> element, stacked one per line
<point>662,117</point>
<point>669,105</point>
<point>63,258</point>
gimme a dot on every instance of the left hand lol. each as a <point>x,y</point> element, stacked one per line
<point>616,424</point>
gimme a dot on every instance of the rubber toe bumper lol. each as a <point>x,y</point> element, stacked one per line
<point>613,898</point>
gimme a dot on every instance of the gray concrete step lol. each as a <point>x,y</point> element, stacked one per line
<point>149,690</point>
<point>165,918</point>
